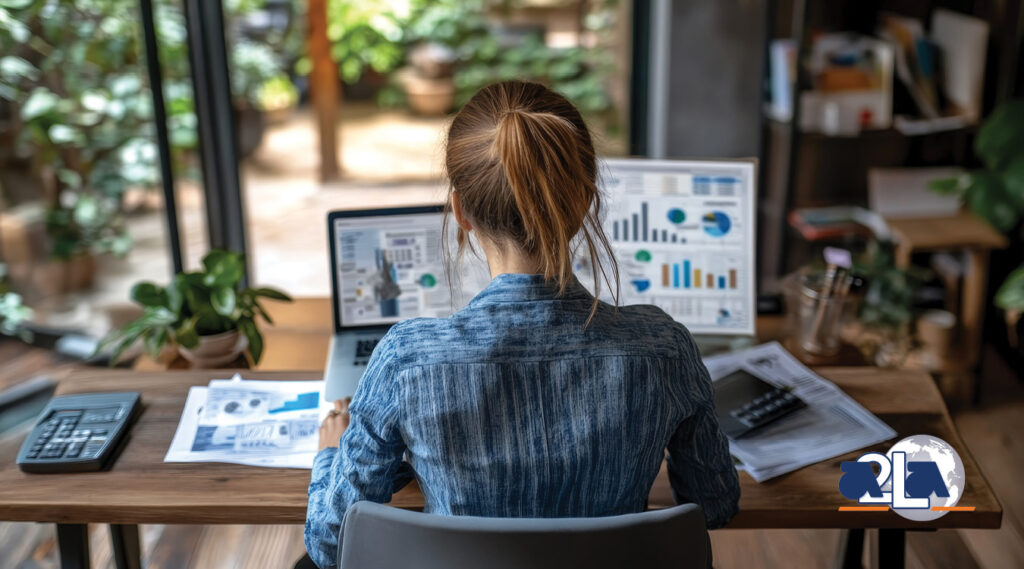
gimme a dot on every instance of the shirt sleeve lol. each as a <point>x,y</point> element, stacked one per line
<point>700,468</point>
<point>366,466</point>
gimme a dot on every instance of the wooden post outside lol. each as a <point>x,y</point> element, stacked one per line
<point>324,91</point>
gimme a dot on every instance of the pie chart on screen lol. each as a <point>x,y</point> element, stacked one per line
<point>716,223</point>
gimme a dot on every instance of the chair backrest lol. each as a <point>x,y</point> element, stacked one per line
<point>375,536</point>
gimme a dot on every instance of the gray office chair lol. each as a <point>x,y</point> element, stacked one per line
<point>375,536</point>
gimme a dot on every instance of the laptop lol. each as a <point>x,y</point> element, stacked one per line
<point>386,265</point>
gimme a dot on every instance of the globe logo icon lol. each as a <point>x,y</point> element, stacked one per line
<point>926,448</point>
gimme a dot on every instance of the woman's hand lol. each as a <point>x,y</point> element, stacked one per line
<point>334,424</point>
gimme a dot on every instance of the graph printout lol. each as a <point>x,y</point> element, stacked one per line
<point>683,235</point>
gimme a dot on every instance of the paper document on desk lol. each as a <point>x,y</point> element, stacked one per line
<point>258,423</point>
<point>831,425</point>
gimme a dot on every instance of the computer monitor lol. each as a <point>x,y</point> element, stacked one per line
<point>683,234</point>
<point>388,265</point>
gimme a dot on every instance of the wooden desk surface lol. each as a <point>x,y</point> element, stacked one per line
<point>964,230</point>
<point>141,488</point>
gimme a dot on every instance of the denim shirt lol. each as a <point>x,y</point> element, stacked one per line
<point>513,407</point>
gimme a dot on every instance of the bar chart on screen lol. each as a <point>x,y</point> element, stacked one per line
<point>682,235</point>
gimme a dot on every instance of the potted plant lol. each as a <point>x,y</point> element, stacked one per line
<point>207,314</point>
<point>995,193</point>
<point>12,312</point>
<point>883,328</point>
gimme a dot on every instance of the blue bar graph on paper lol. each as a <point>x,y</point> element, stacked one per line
<point>686,273</point>
<point>636,227</point>
<point>721,282</point>
<point>675,275</point>
<point>615,230</point>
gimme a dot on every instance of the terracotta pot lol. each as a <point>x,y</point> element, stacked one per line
<point>428,97</point>
<point>216,350</point>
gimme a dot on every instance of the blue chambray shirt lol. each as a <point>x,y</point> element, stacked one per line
<point>511,407</point>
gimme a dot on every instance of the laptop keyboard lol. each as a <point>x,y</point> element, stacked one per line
<point>363,350</point>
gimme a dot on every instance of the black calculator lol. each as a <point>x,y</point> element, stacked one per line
<point>79,433</point>
<point>745,403</point>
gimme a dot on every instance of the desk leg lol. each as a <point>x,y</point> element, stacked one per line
<point>851,549</point>
<point>73,543</point>
<point>892,548</point>
<point>125,545</point>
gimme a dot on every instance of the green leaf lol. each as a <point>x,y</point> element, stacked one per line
<point>64,134</point>
<point>223,268</point>
<point>175,294</point>
<point>87,212</point>
<point>186,335</point>
<point>1013,180</point>
<point>1002,135</point>
<point>271,293</point>
<point>149,294</point>
<point>16,4</point>
<point>987,198</point>
<point>12,66</point>
<point>949,186</point>
<point>255,338</point>
<point>40,102</point>
<point>1011,293</point>
<point>223,300</point>
<point>155,341</point>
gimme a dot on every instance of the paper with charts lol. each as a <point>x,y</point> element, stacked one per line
<point>683,235</point>
<point>258,423</point>
<point>832,423</point>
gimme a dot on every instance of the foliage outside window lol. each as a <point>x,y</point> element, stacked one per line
<point>82,113</point>
<point>12,312</point>
<point>376,34</point>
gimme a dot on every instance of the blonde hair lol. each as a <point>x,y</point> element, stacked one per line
<point>522,161</point>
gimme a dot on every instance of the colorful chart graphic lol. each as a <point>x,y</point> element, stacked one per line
<point>716,223</point>
<point>428,281</point>
<point>641,284</point>
<point>643,255</point>
<point>676,215</point>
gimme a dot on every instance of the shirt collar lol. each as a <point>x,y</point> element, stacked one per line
<point>518,287</point>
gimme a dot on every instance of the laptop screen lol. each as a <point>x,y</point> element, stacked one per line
<point>391,268</point>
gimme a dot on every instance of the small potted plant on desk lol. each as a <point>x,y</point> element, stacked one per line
<point>206,314</point>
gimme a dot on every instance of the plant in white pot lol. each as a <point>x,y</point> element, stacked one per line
<point>207,314</point>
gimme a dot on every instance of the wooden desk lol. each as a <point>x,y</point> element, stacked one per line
<point>141,488</point>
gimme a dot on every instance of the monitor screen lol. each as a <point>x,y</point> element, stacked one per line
<point>391,268</point>
<point>683,235</point>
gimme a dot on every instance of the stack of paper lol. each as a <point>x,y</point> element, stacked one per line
<point>258,423</point>
<point>831,425</point>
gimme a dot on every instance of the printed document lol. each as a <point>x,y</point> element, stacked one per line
<point>258,423</point>
<point>832,424</point>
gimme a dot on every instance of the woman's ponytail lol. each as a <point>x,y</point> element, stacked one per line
<point>522,161</point>
<point>540,155</point>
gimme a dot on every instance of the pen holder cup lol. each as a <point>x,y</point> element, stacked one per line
<point>815,317</point>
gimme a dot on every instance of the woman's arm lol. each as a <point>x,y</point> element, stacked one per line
<point>700,468</point>
<point>365,464</point>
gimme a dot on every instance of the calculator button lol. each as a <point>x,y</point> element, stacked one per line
<point>32,454</point>
<point>73,450</point>
<point>55,452</point>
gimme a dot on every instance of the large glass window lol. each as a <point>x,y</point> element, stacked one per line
<point>81,214</point>
<point>396,70</point>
